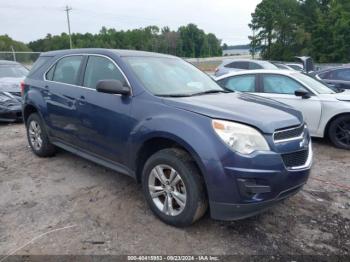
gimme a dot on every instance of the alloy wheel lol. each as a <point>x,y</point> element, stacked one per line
<point>342,132</point>
<point>35,135</point>
<point>167,190</point>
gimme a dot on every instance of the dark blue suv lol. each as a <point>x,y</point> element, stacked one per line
<point>162,121</point>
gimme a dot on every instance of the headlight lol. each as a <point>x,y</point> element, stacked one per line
<point>241,138</point>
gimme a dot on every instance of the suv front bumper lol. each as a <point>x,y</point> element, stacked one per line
<point>226,211</point>
<point>270,188</point>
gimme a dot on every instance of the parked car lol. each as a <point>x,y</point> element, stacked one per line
<point>283,66</point>
<point>10,108</point>
<point>295,66</point>
<point>171,127</point>
<point>338,77</point>
<point>11,74</point>
<point>326,112</point>
<point>230,65</point>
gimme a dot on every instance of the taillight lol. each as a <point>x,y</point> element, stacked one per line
<point>22,86</point>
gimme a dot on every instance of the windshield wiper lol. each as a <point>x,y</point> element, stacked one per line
<point>175,95</point>
<point>211,92</point>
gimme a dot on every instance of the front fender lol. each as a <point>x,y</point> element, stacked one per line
<point>330,111</point>
<point>192,131</point>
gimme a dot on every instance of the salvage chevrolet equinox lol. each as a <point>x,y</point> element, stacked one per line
<point>189,142</point>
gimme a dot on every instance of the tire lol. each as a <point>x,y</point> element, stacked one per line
<point>339,132</point>
<point>37,137</point>
<point>184,211</point>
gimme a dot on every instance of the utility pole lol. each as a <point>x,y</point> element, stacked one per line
<point>13,53</point>
<point>70,38</point>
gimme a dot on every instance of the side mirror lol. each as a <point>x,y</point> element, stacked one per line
<point>112,87</point>
<point>302,93</point>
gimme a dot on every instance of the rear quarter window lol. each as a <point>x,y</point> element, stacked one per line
<point>38,64</point>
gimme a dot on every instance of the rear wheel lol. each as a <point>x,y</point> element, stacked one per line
<point>174,188</point>
<point>339,132</point>
<point>37,137</point>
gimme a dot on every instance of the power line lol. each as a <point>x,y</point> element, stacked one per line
<point>68,9</point>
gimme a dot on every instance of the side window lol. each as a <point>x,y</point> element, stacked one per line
<point>231,65</point>
<point>238,65</point>
<point>49,74</point>
<point>325,75</point>
<point>100,68</point>
<point>342,74</point>
<point>253,66</point>
<point>67,70</point>
<point>244,83</point>
<point>280,84</point>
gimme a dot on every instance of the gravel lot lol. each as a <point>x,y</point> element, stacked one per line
<point>87,209</point>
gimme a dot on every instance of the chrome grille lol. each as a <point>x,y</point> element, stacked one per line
<point>289,134</point>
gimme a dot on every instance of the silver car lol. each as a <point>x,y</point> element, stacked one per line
<point>326,112</point>
<point>232,65</point>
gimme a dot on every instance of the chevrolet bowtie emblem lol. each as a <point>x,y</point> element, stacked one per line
<point>303,143</point>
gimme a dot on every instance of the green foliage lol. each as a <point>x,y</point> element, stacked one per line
<point>187,41</point>
<point>7,44</point>
<point>287,28</point>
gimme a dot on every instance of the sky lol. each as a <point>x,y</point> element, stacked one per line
<point>28,20</point>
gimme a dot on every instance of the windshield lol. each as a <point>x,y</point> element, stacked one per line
<point>316,85</point>
<point>13,71</point>
<point>171,77</point>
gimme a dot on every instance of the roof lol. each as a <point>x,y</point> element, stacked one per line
<point>258,71</point>
<point>228,60</point>
<point>119,52</point>
<point>8,62</point>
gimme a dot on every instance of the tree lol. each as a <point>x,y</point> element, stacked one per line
<point>8,44</point>
<point>287,28</point>
<point>187,41</point>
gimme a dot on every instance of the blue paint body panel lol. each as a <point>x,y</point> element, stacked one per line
<point>111,129</point>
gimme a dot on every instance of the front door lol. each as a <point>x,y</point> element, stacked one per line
<point>105,120</point>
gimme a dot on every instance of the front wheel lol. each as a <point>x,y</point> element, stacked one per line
<point>339,132</point>
<point>174,188</point>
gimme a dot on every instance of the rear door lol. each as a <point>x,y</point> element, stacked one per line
<point>61,94</point>
<point>104,119</point>
<point>282,88</point>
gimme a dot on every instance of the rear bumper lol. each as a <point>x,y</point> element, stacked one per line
<point>229,212</point>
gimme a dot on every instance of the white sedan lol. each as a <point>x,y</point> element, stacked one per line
<point>326,112</point>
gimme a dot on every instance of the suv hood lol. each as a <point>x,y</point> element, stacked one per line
<point>263,113</point>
